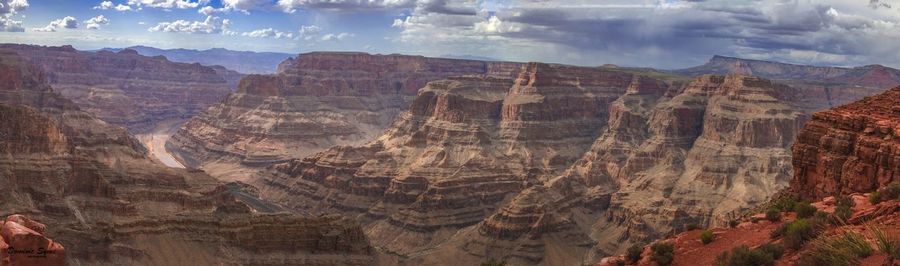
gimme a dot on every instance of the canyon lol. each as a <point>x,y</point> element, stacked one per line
<point>128,89</point>
<point>315,101</point>
<point>99,194</point>
<point>530,163</point>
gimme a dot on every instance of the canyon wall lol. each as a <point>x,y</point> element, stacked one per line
<point>315,101</point>
<point>851,148</point>
<point>128,89</point>
<point>102,198</point>
<point>817,87</point>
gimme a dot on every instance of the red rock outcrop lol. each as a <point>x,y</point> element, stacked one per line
<point>23,242</point>
<point>126,88</point>
<point>315,101</point>
<point>99,194</point>
<point>851,148</point>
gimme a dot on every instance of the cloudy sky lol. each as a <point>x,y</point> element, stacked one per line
<point>662,34</point>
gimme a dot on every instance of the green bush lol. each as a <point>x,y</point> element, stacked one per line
<point>733,223</point>
<point>663,253</point>
<point>785,204</point>
<point>775,250</point>
<point>839,250</point>
<point>691,226</point>
<point>706,237</point>
<point>633,254</point>
<point>619,263</point>
<point>773,215</point>
<point>886,244</point>
<point>743,256</point>
<point>797,233</point>
<point>890,192</point>
<point>804,210</point>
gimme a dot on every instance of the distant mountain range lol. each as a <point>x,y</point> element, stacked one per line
<point>242,61</point>
<point>872,75</point>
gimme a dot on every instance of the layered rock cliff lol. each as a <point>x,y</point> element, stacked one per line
<point>23,242</point>
<point>465,145</point>
<point>99,194</point>
<point>128,89</point>
<point>851,148</point>
<point>315,101</point>
<point>820,87</point>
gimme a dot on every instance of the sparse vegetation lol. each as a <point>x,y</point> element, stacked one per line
<point>890,192</point>
<point>804,210</point>
<point>663,253</point>
<point>773,215</point>
<point>798,232</point>
<point>743,256</point>
<point>691,226</point>
<point>842,210</point>
<point>706,237</point>
<point>633,254</point>
<point>886,244</point>
<point>733,223</point>
<point>619,263</point>
<point>838,250</point>
<point>784,204</point>
<point>775,250</point>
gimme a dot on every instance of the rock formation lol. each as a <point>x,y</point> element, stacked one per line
<point>128,89</point>
<point>851,148</point>
<point>820,87</point>
<point>99,194</point>
<point>316,101</point>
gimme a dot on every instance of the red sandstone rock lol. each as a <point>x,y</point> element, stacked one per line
<point>23,246</point>
<point>852,148</point>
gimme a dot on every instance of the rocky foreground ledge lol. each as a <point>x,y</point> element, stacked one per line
<point>22,242</point>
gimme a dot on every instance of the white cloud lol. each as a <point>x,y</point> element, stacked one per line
<point>179,4</point>
<point>291,6</point>
<point>246,5</point>
<point>95,22</point>
<point>104,5</point>
<point>335,37</point>
<point>268,33</point>
<point>309,32</point>
<point>8,9</point>
<point>212,25</point>
<point>493,25</point>
<point>121,7</point>
<point>67,22</point>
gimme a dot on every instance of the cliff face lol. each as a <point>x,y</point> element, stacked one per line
<point>128,89</point>
<point>464,146</point>
<point>316,101</point>
<point>818,87</point>
<point>100,196</point>
<point>23,243</point>
<point>852,148</point>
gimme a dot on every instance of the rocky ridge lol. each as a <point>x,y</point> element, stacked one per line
<point>129,89</point>
<point>821,87</point>
<point>99,194</point>
<point>851,148</point>
<point>315,101</point>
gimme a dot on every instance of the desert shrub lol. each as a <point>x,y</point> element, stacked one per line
<point>797,233</point>
<point>785,204</point>
<point>773,215</point>
<point>775,250</point>
<point>890,192</point>
<point>779,232</point>
<point>886,244</point>
<point>633,254</point>
<point>619,263</point>
<point>494,262</point>
<point>743,256</point>
<point>838,250</point>
<point>804,210</point>
<point>663,253</point>
<point>733,223</point>
<point>706,237</point>
<point>691,226</point>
